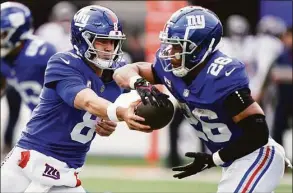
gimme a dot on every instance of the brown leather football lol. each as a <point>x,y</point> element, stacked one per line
<point>155,117</point>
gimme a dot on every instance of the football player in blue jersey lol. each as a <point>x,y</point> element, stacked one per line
<point>77,100</point>
<point>24,59</point>
<point>213,91</point>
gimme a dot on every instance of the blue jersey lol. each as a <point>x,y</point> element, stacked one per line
<point>56,128</point>
<point>202,101</point>
<point>26,72</point>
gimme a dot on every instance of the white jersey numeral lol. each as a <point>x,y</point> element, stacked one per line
<point>26,86</point>
<point>218,64</point>
<point>87,122</point>
<point>221,131</point>
<point>33,48</point>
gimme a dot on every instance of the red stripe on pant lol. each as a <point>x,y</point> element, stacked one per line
<point>257,170</point>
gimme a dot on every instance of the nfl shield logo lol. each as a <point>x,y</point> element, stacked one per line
<point>102,89</point>
<point>186,93</point>
<point>168,82</point>
<point>89,84</point>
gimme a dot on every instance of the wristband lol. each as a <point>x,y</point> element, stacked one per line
<point>132,80</point>
<point>111,112</point>
<point>217,159</point>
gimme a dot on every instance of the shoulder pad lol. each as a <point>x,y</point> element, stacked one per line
<point>39,51</point>
<point>62,65</point>
<point>67,58</point>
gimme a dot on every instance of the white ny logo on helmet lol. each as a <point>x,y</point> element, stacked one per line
<point>81,19</point>
<point>197,21</point>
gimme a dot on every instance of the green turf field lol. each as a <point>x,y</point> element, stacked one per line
<point>117,177</point>
<point>116,185</point>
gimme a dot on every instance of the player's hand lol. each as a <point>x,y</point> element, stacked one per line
<point>133,121</point>
<point>105,127</point>
<point>147,90</point>
<point>201,162</point>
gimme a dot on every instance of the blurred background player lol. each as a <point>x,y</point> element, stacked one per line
<point>23,62</point>
<point>281,76</point>
<point>264,50</point>
<point>78,96</point>
<point>266,47</point>
<point>57,30</point>
<point>238,37</point>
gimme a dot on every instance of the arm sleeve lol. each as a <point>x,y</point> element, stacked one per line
<point>254,128</point>
<point>156,78</point>
<point>65,79</point>
<point>68,89</point>
<point>238,101</point>
<point>255,135</point>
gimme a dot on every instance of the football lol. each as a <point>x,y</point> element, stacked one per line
<point>155,117</point>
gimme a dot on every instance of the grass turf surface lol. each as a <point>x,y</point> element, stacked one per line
<point>112,185</point>
<point>133,186</point>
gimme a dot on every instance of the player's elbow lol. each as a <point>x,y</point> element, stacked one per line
<point>256,130</point>
<point>261,137</point>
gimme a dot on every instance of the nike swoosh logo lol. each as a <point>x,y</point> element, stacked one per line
<point>205,166</point>
<point>227,73</point>
<point>65,61</point>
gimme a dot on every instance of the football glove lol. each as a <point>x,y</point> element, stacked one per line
<point>147,90</point>
<point>202,161</point>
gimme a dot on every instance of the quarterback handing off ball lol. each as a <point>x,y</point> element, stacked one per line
<point>156,117</point>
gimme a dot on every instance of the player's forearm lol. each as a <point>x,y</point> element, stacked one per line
<point>255,135</point>
<point>249,117</point>
<point>125,75</point>
<point>89,101</point>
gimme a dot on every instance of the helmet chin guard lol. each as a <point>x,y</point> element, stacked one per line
<point>92,54</point>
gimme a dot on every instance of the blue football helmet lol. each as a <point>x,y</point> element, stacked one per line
<point>96,22</point>
<point>16,25</point>
<point>195,32</point>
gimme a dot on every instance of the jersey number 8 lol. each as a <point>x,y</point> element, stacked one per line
<point>76,134</point>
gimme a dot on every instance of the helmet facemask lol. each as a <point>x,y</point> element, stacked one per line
<point>6,45</point>
<point>93,55</point>
<point>188,54</point>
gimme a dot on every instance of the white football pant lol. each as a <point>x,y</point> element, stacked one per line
<point>13,178</point>
<point>259,171</point>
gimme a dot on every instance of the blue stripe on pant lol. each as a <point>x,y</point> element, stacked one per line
<point>264,171</point>
<point>250,169</point>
